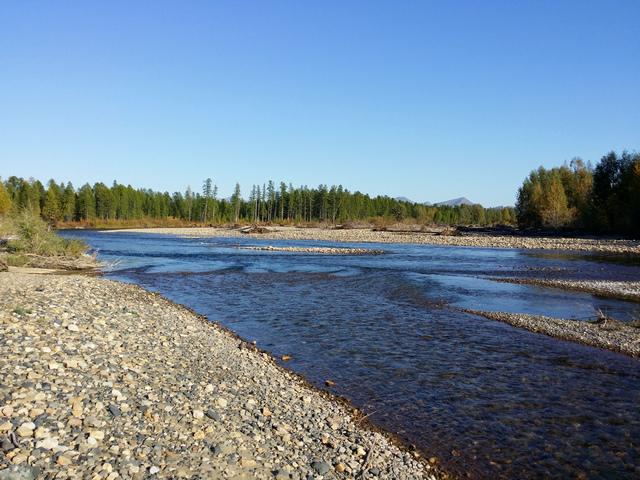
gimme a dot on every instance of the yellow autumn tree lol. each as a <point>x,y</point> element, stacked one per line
<point>555,212</point>
<point>5,201</point>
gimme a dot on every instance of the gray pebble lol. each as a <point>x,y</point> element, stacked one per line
<point>321,467</point>
<point>19,472</point>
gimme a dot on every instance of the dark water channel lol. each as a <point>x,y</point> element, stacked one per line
<point>487,399</point>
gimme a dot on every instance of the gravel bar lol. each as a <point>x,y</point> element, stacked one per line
<point>100,379</point>
<point>364,235</point>
<point>318,250</point>
<point>604,288</point>
<point>610,334</point>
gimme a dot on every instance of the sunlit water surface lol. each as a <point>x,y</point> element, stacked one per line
<point>487,399</point>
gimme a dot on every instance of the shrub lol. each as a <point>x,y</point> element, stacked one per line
<point>17,260</point>
<point>35,237</point>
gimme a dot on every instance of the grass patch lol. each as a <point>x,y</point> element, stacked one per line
<point>17,260</point>
<point>21,311</point>
<point>34,237</point>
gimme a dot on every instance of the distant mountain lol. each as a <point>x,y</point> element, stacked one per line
<point>455,202</point>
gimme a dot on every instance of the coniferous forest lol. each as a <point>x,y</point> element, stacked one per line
<point>62,203</point>
<point>577,196</point>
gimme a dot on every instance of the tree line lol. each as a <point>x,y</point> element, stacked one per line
<point>62,202</point>
<point>604,198</point>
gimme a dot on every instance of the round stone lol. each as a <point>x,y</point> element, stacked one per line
<point>321,467</point>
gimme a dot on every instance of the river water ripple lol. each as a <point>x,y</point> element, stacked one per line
<point>485,398</point>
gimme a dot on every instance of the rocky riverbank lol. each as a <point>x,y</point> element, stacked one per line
<point>106,380</point>
<point>365,235</point>
<point>604,288</point>
<point>606,333</point>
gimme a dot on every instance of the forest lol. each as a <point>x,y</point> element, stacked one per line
<point>62,204</point>
<point>602,199</point>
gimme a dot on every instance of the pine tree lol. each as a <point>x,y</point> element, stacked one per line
<point>189,201</point>
<point>206,193</point>
<point>283,194</point>
<point>214,201</point>
<point>236,200</point>
<point>271,196</point>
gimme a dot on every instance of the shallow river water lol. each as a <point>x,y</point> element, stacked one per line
<point>487,399</point>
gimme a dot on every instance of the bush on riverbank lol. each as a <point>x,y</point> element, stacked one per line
<point>28,235</point>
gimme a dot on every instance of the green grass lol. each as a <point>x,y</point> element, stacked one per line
<point>17,260</point>
<point>21,311</point>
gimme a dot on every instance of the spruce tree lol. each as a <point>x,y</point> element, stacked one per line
<point>69,203</point>
<point>51,210</point>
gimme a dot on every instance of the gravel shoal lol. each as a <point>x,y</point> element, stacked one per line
<point>100,379</point>
<point>362,235</point>
<point>318,250</point>
<point>610,334</point>
<point>604,288</point>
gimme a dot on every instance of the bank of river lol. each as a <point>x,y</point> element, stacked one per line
<point>362,235</point>
<point>103,379</point>
<point>606,288</point>
<point>486,399</point>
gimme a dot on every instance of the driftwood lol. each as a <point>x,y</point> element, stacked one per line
<point>83,262</point>
<point>254,229</point>
<point>450,232</point>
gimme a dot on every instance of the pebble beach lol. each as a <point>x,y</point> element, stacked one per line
<point>102,379</point>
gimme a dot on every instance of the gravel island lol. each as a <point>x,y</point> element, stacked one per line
<point>317,250</point>
<point>604,288</point>
<point>608,334</point>
<point>101,379</point>
<point>367,235</point>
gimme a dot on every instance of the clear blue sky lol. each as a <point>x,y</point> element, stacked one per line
<point>430,100</point>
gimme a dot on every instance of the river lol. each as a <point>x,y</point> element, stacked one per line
<point>487,399</point>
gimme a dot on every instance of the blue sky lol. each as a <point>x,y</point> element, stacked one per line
<point>430,100</point>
